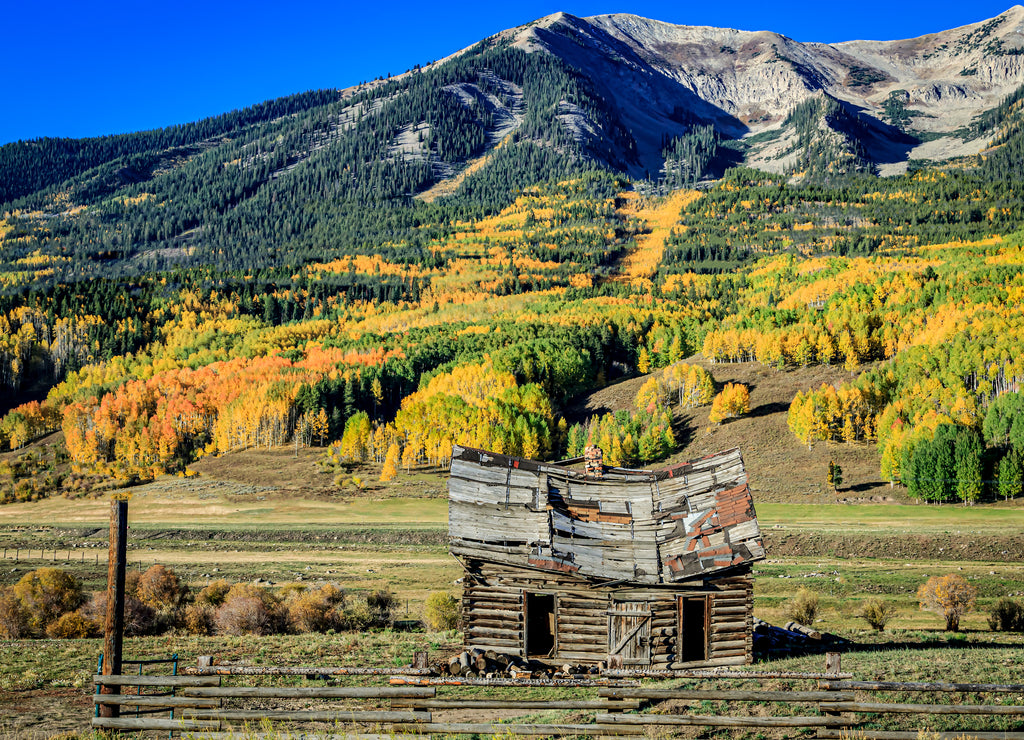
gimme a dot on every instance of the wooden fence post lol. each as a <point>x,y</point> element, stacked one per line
<point>113,638</point>
<point>833,663</point>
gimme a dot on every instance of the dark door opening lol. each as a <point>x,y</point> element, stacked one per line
<point>693,615</point>
<point>540,624</point>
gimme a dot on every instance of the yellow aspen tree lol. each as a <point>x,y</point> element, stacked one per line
<point>320,426</point>
<point>643,362</point>
<point>733,401</point>
<point>390,469</point>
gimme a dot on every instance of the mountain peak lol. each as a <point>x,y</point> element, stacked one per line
<point>661,78</point>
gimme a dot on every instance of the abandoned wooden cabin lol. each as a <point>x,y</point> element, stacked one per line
<point>642,569</point>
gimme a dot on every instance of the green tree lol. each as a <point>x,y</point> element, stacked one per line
<point>1011,474</point>
<point>967,462</point>
<point>835,476</point>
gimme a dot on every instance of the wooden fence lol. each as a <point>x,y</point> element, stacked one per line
<point>201,705</point>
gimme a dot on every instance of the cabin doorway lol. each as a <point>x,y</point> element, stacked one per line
<point>693,628</point>
<point>540,625</point>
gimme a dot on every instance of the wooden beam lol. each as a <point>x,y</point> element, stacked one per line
<point>315,692</point>
<point>724,695</point>
<point>501,729</point>
<point>334,715</point>
<point>720,721</point>
<point>919,686</point>
<point>536,704</point>
<point>880,708</point>
<point>125,680</point>
<point>150,723</point>
<point>141,700</point>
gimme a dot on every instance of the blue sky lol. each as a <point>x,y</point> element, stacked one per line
<point>87,68</point>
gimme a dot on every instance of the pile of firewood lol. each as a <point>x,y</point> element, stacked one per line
<point>476,663</point>
<point>793,639</point>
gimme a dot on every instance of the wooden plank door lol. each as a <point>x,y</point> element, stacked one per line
<point>629,633</point>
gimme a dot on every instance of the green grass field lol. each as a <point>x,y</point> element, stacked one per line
<point>206,530</point>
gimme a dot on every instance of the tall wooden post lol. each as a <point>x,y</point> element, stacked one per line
<point>114,624</point>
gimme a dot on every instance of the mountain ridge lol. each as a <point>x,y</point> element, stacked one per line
<point>746,82</point>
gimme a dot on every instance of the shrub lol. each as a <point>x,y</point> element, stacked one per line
<point>877,613</point>
<point>441,611</point>
<point>356,615</point>
<point>160,588</point>
<point>46,594</point>
<point>382,604</point>
<point>139,619</point>
<point>13,618</point>
<point>1007,616</point>
<point>250,610</point>
<point>951,596</point>
<point>317,610</point>
<point>244,615</point>
<point>803,608</point>
<point>131,583</point>
<point>199,619</point>
<point>214,593</point>
<point>73,626</point>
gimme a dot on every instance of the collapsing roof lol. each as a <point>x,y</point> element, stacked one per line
<point>629,526</point>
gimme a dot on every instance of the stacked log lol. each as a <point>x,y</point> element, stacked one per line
<point>476,663</point>
<point>792,639</point>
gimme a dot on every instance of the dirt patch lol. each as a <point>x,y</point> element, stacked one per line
<point>277,468</point>
<point>44,713</point>
<point>780,468</point>
<point>911,547</point>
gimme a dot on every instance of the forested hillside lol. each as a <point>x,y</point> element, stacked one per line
<point>271,277</point>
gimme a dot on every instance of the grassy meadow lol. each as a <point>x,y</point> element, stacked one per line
<point>207,529</point>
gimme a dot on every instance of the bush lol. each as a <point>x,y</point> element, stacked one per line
<point>356,615</point>
<point>46,594</point>
<point>214,593</point>
<point>13,618</point>
<point>199,619</point>
<point>250,610</point>
<point>73,626</point>
<point>139,619</point>
<point>803,608</point>
<point>244,615</point>
<point>160,588</point>
<point>877,613</point>
<point>382,604</point>
<point>315,611</point>
<point>1007,616</point>
<point>442,611</point>
<point>950,596</point>
<point>131,583</point>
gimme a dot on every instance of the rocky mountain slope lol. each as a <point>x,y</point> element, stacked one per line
<point>914,98</point>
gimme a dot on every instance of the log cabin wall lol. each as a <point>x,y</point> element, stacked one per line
<point>704,622</point>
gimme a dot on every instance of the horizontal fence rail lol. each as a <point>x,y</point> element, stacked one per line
<point>412,705</point>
